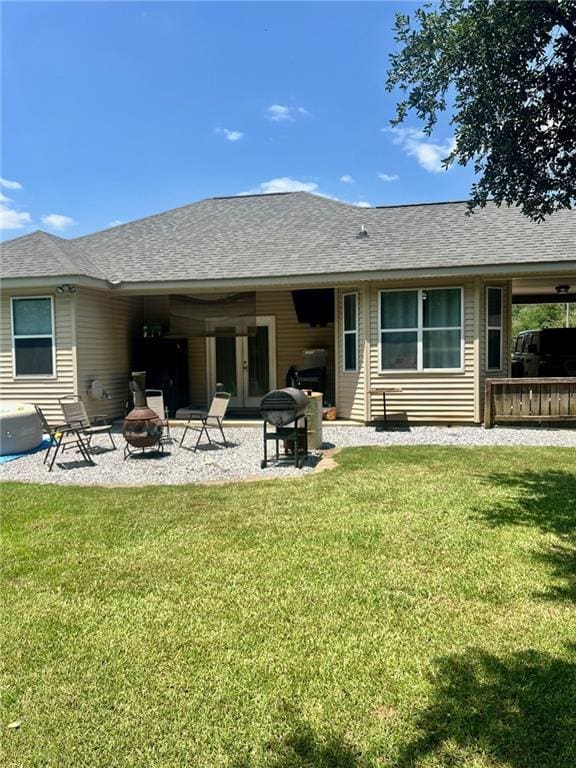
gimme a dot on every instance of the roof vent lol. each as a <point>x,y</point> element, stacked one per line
<point>363,233</point>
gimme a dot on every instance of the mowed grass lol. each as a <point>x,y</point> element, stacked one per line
<point>413,607</point>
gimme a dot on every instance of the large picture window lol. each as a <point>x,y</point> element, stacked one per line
<point>421,330</point>
<point>33,336</point>
<point>350,331</point>
<point>494,329</point>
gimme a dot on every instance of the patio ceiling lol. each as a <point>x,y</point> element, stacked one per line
<point>542,290</point>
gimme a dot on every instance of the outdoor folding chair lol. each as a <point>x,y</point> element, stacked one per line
<point>70,437</point>
<point>155,401</point>
<point>75,415</point>
<point>210,418</point>
<point>52,432</point>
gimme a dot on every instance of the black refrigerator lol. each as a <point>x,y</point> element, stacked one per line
<point>165,361</point>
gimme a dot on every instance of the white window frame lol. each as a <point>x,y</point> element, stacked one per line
<point>419,330</point>
<point>15,336</point>
<point>494,327</point>
<point>353,332</point>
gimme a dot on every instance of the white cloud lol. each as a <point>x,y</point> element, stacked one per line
<point>229,135</point>
<point>115,223</point>
<point>279,112</point>
<point>282,184</point>
<point>347,179</point>
<point>287,184</point>
<point>10,184</point>
<point>10,219</point>
<point>58,221</point>
<point>388,176</point>
<point>429,154</point>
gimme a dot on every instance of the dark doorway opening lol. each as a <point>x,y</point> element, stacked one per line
<point>165,361</point>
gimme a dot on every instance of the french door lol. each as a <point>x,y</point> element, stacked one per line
<point>241,355</point>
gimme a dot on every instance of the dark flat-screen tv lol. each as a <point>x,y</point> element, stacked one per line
<point>314,306</point>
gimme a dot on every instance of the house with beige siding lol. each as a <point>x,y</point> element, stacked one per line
<point>413,298</point>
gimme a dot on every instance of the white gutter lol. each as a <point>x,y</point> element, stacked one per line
<point>348,278</point>
<point>9,283</point>
<point>504,271</point>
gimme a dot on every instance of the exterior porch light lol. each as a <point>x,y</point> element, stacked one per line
<point>562,289</point>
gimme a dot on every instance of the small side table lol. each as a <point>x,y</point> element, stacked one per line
<point>383,391</point>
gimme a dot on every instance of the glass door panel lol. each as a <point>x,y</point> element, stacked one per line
<point>226,368</point>
<point>258,361</point>
<point>242,358</point>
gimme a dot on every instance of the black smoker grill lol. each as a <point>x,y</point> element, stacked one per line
<point>285,410</point>
<point>313,375</point>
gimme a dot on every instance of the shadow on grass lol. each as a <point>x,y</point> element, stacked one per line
<point>303,748</point>
<point>547,501</point>
<point>518,711</point>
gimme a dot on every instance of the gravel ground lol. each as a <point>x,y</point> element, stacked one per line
<point>242,459</point>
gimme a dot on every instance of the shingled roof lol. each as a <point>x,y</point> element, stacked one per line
<point>43,255</point>
<point>294,234</point>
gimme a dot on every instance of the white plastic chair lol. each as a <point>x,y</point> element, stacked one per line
<point>155,401</point>
<point>211,418</point>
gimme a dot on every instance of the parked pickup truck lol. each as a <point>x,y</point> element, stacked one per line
<point>546,352</point>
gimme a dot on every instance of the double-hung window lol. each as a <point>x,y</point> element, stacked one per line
<point>33,336</point>
<point>421,330</point>
<point>399,322</point>
<point>350,331</point>
<point>494,329</point>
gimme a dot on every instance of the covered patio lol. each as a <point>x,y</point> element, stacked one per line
<point>246,341</point>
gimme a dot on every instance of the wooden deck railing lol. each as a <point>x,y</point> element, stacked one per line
<point>529,400</point>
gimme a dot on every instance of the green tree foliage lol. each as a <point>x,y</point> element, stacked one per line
<point>526,317</point>
<point>506,72</point>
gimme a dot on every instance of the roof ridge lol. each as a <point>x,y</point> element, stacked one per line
<point>420,205</point>
<point>28,234</point>
<point>302,192</point>
<point>140,218</point>
<point>254,194</point>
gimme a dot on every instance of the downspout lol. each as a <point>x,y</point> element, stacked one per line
<point>367,351</point>
<point>478,377</point>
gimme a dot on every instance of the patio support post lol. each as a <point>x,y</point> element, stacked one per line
<point>488,410</point>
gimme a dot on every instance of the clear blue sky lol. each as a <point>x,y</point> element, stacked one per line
<point>114,111</point>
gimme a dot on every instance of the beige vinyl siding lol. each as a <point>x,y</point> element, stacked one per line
<point>40,391</point>
<point>507,340</point>
<point>292,337</point>
<point>427,396</point>
<point>351,389</point>
<point>105,329</point>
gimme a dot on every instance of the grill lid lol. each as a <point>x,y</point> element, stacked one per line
<point>282,406</point>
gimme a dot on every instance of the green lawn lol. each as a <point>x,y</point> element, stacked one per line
<point>413,607</point>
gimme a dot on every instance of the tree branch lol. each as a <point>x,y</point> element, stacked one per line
<point>562,19</point>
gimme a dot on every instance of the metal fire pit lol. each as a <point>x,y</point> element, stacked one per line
<point>285,409</point>
<point>142,427</point>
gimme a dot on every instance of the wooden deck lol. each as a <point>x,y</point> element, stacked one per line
<point>535,400</point>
